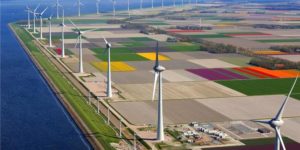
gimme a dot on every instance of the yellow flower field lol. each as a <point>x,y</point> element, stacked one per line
<point>117,66</point>
<point>151,56</point>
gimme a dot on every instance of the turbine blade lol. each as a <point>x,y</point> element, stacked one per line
<point>36,7</point>
<point>73,24</point>
<point>77,41</point>
<point>89,30</point>
<point>280,112</point>
<point>154,85</point>
<point>105,40</point>
<point>262,121</point>
<point>44,11</point>
<point>277,130</point>
<point>156,55</point>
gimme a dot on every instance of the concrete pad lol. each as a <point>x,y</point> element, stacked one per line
<point>182,90</point>
<point>212,63</point>
<point>252,107</point>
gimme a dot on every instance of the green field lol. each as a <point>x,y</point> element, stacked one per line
<point>278,40</point>
<point>185,48</point>
<point>104,134</point>
<point>264,86</point>
<point>141,39</point>
<point>122,57</point>
<point>133,44</point>
<point>116,50</point>
<point>239,61</point>
<point>85,29</point>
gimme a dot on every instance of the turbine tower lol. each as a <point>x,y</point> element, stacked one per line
<point>50,31</point>
<point>174,3</point>
<point>57,5</point>
<point>114,7</point>
<point>34,17</point>
<point>141,4</point>
<point>128,7</point>
<point>41,22</point>
<point>152,4</point>
<point>108,77</point>
<point>63,34</point>
<point>28,10</point>
<point>79,40</point>
<point>162,3</point>
<point>158,69</point>
<point>277,121</point>
<point>78,3</point>
<point>97,6</point>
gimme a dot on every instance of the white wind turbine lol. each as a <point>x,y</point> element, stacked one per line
<point>174,3</point>
<point>97,6</point>
<point>41,22</point>
<point>114,7</point>
<point>28,10</point>
<point>34,17</point>
<point>63,34</point>
<point>79,40</point>
<point>78,4</point>
<point>158,69</point>
<point>141,4</point>
<point>152,4</point>
<point>50,31</point>
<point>57,5</point>
<point>277,121</point>
<point>128,7</point>
<point>108,77</point>
<point>162,3</point>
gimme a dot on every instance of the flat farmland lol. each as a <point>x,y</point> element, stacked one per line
<point>241,108</point>
<point>263,86</point>
<point>172,91</point>
<point>175,112</point>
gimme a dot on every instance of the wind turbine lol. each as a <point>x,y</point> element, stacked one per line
<point>114,7</point>
<point>141,4</point>
<point>57,5</point>
<point>158,69</point>
<point>174,3</point>
<point>63,34</point>
<point>50,31</point>
<point>34,17</point>
<point>277,121</point>
<point>28,10</point>
<point>41,22</point>
<point>79,40</point>
<point>108,84</point>
<point>162,3</point>
<point>152,4</point>
<point>78,3</point>
<point>128,7</point>
<point>97,5</point>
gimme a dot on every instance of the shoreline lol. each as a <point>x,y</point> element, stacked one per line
<point>86,133</point>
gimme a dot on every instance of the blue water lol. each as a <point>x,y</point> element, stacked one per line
<point>31,115</point>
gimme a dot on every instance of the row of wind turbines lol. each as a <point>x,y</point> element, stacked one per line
<point>275,122</point>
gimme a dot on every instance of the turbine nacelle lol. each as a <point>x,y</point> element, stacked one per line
<point>159,68</point>
<point>276,123</point>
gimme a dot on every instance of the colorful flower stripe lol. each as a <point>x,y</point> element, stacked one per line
<point>152,56</point>
<point>209,74</point>
<point>261,72</point>
<point>269,52</point>
<point>229,73</point>
<point>274,73</point>
<point>243,70</point>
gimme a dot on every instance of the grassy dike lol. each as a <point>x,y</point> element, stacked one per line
<point>96,125</point>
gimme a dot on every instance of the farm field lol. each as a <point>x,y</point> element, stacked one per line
<point>263,86</point>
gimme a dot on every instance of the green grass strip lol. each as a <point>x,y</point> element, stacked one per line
<point>278,40</point>
<point>122,57</point>
<point>104,134</point>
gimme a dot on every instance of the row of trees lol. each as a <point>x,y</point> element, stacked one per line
<point>273,63</point>
<point>276,26</point>
<point>288,49</point>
